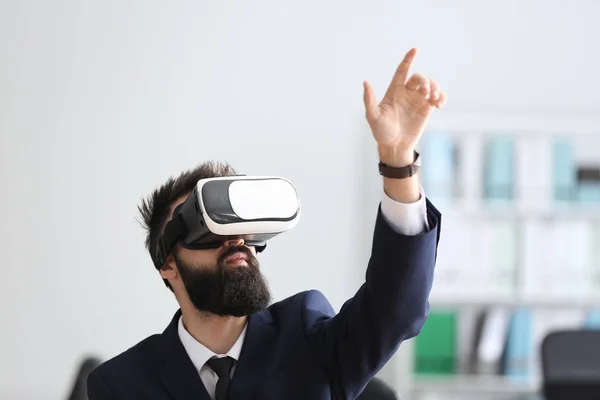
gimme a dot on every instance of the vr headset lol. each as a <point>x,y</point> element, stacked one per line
<point>253,208</point>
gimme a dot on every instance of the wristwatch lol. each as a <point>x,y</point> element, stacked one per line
<point>400,172</point>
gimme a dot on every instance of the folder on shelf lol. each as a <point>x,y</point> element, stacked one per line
<point>480,266</point>
<point>454,258</point>
<point>438,174</point>
<point>470,325</point>
<point>592,320</point>
<point>557,259</point>
<point>503,276</point>
<point>435,348</point>
<point>533,172</point>
<point>589,193</point>
<point>588,180</point>
<point>498,246</point>
<point>595,257</point>
<point>517,362</point>
<point>470,365</point>
<point>537,273</point>
<point>490,342</point>
<point>564,171</point>
<point>470,171</point>
<point>571,253</point>
<point>493,257</point>
<point>499,169</point>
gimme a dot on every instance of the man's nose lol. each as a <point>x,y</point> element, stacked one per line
<point>234,242</point>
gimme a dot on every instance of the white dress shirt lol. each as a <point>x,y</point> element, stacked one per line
<point>199,355</point>
<point>408,219</point>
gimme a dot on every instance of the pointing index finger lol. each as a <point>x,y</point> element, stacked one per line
<point>402,70</point>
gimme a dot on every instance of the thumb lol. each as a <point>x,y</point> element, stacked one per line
<point>370,100</point>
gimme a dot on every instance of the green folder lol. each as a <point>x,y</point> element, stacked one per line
<point>435,347</point>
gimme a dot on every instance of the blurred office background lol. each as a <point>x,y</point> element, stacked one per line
<point>101,101</point>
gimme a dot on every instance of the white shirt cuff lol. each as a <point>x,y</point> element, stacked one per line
<point>405,218</point>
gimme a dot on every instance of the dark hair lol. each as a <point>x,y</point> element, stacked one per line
<point>155,209</point>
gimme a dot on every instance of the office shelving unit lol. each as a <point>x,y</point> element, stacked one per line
<point>469,208</point>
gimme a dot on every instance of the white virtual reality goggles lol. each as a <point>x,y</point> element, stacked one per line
<point>224,208</point>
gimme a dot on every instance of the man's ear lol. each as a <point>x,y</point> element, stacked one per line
<point>169,269</point>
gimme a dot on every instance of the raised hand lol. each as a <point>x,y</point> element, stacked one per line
<point>398,121</point>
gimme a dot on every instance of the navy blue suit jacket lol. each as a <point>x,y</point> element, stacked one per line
<point>298,348</point>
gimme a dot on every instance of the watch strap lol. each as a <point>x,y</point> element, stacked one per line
<point>400,172</point>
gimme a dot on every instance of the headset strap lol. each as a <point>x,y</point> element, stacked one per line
<point>173,230</point>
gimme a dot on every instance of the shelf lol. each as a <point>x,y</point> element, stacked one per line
<point>514,301</point>
<point>474,124</point>
<point>474,384</point>
<point>476,212</point>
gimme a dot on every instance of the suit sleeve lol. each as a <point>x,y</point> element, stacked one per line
<point>96,388</point>
<point>391,306</point>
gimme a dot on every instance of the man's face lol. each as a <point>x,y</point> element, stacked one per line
<point>226,281</point>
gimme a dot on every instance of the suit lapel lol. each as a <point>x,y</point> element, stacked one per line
<point>178,372</point>
<point>254,358</point>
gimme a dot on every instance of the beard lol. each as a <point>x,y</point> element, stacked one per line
<point>226,290</point>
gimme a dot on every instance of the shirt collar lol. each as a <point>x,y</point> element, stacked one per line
<point>199,354</point>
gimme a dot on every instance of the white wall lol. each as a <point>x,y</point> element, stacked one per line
<point>100,102</point>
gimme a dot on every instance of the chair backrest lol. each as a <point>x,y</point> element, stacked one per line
<point>79,388</point>
<point>378,389</point>
<point>571,364</point>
